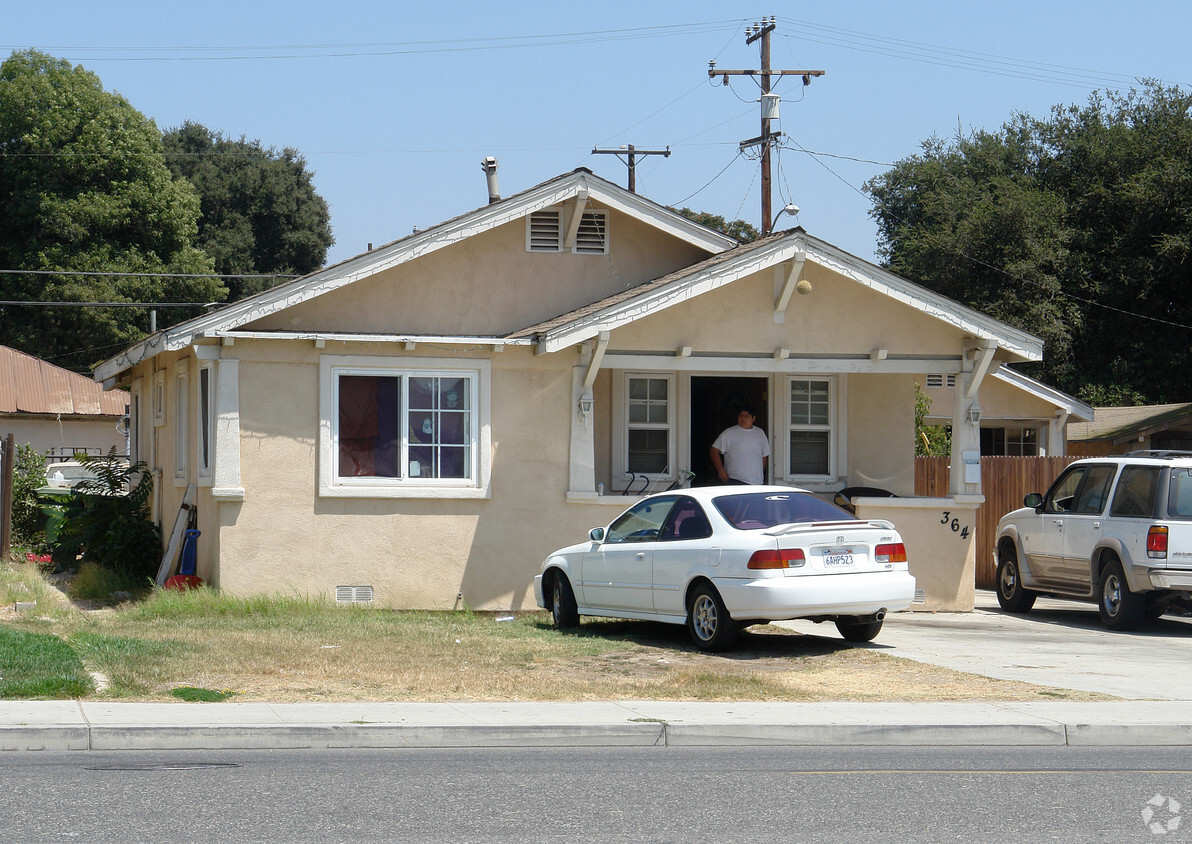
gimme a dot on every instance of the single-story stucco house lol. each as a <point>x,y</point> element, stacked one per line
<point>421,424</point>
<point>58,412</point>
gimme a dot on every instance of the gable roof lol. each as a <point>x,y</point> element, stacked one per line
<point>1072,406</point>
<point>34,386</point>
<point>1122,424</point>
<point>580,183</point>
<point>746,259</point>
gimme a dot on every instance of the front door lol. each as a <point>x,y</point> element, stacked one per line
<point>715,400</point>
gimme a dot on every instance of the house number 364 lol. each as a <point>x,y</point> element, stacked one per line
<point>955,524</point>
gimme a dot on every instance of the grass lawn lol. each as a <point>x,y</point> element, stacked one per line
<point>200,645</point>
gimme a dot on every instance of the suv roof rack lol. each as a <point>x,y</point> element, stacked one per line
<point>1159,452</point>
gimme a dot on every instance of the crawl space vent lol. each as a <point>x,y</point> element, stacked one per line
<point>353,594</point>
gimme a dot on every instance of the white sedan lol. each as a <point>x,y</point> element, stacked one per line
<point>718,558</point>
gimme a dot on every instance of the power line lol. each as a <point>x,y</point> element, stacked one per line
<point>145,275</point>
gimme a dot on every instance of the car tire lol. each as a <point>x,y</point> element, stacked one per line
<point>708,621</point>
<point>1120,608</point>
<point>854,629</point>
<point>563,609</point>
<point>1010,592</point>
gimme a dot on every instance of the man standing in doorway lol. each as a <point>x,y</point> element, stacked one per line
<point>741,453</point>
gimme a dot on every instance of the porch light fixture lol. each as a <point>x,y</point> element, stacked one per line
<point>975,415</point>
<point>585,405</point>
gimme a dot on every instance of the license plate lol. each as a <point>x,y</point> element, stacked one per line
<point>837,558</point>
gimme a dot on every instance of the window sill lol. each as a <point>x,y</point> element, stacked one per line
<point>403,492</point>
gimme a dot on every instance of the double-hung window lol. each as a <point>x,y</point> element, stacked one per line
<point>649,402</point>
<point>393,430</point>
<point>810,429</point>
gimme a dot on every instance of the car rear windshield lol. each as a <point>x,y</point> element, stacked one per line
<point>757,510</point>
<point>1179,494</point>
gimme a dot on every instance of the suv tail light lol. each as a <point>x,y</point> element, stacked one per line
<point>1156,542</point>
<point>895,552</point>
<point>777,558</point>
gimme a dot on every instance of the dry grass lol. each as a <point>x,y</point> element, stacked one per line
<point>292,649</point>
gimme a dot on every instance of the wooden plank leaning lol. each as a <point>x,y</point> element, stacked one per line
<point>175,544</point>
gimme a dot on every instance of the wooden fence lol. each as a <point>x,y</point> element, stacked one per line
<point>1004,482</point>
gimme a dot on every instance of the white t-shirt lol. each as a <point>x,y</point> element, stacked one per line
<point>744,451</point>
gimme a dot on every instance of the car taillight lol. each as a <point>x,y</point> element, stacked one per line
<point>894,552</point>
<point>778,558</point>
<point>1156,542</point>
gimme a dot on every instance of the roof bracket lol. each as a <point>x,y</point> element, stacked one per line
<point>581,202</point>
<point>981,351</point>
<point>597,357</point>
<point>786,276</point>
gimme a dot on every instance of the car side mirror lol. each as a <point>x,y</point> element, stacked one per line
<point>1033,499</point>
<point>596,534</point>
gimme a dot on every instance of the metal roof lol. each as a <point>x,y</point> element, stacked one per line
<point>33,386</point>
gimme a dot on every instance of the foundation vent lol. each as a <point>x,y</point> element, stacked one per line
<point>353,594</point>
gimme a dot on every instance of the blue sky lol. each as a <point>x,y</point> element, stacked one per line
<point>395,104</point>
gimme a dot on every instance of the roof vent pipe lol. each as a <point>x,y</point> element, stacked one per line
<point>489,165</point>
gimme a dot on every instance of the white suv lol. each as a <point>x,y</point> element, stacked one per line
<point>1115,530</point>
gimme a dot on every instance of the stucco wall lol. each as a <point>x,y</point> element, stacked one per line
<point>881,432</point>
<point>462,290</point>
<point>45,433</point>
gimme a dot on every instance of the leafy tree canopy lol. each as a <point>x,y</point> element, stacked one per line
<point>84,187</point>
<point>260,211</point>
<point>1077,228</point>
<point>739,229</point>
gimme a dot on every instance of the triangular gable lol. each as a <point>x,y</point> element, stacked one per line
<point>581,183</point>
<point>748,259</point>
<point>1072,406</point>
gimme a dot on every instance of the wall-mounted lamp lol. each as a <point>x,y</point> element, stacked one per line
<point>585,405</point>
<point>975,415</point>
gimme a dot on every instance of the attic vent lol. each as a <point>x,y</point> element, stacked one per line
<point>353,594</point>
<point>592,236</point>
<point>544,231</point>
<point>936,379</point>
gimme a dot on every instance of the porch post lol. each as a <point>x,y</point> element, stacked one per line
<point>582,470</point>
<point>965,478</point>
<point>1057,440</point>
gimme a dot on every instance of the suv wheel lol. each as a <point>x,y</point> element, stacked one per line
<point>1120,608</point>
<point>1010,593</point>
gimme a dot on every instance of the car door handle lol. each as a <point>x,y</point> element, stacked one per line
<point>641,555</point>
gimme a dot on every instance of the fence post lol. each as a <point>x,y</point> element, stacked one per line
<point>7,458</point>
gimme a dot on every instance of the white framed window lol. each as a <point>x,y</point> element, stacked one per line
<point>591,238</point>
<point>416,427</point>
<point>811,428</point>
<point>205,420</point>
<point>646,405</point>
<point>135,420</point>
<point>159,398</point>
<point>181,421</point>
<point>544,230</point>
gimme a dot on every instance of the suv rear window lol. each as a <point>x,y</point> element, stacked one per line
<point>1179,494</point>
<point>1136,492</point>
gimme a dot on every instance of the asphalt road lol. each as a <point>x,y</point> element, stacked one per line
<point>1058,643</point>
<point>594,794</point>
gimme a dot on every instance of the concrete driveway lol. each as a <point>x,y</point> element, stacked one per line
<point>1058,643</point>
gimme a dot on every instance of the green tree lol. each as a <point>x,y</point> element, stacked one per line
<point>1077,228</point>
<point>84,188</point>
<point>930,440</point>
<point>261,213</point>
<point>739,229</point>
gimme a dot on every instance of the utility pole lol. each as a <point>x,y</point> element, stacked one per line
<point>633,152</point>
<point>761,32</point>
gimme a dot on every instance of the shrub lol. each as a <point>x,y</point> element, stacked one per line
<point>28,475</point>
<point>108,518</point>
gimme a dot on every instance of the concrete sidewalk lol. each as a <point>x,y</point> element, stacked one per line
<point>72,725</point>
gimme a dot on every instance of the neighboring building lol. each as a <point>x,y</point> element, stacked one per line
<point>56,411</point>
<point>1019,416</point>
<point>419,425</point>
<point>1120,430</point>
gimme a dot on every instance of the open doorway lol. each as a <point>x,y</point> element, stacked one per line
<point>714,403</point>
